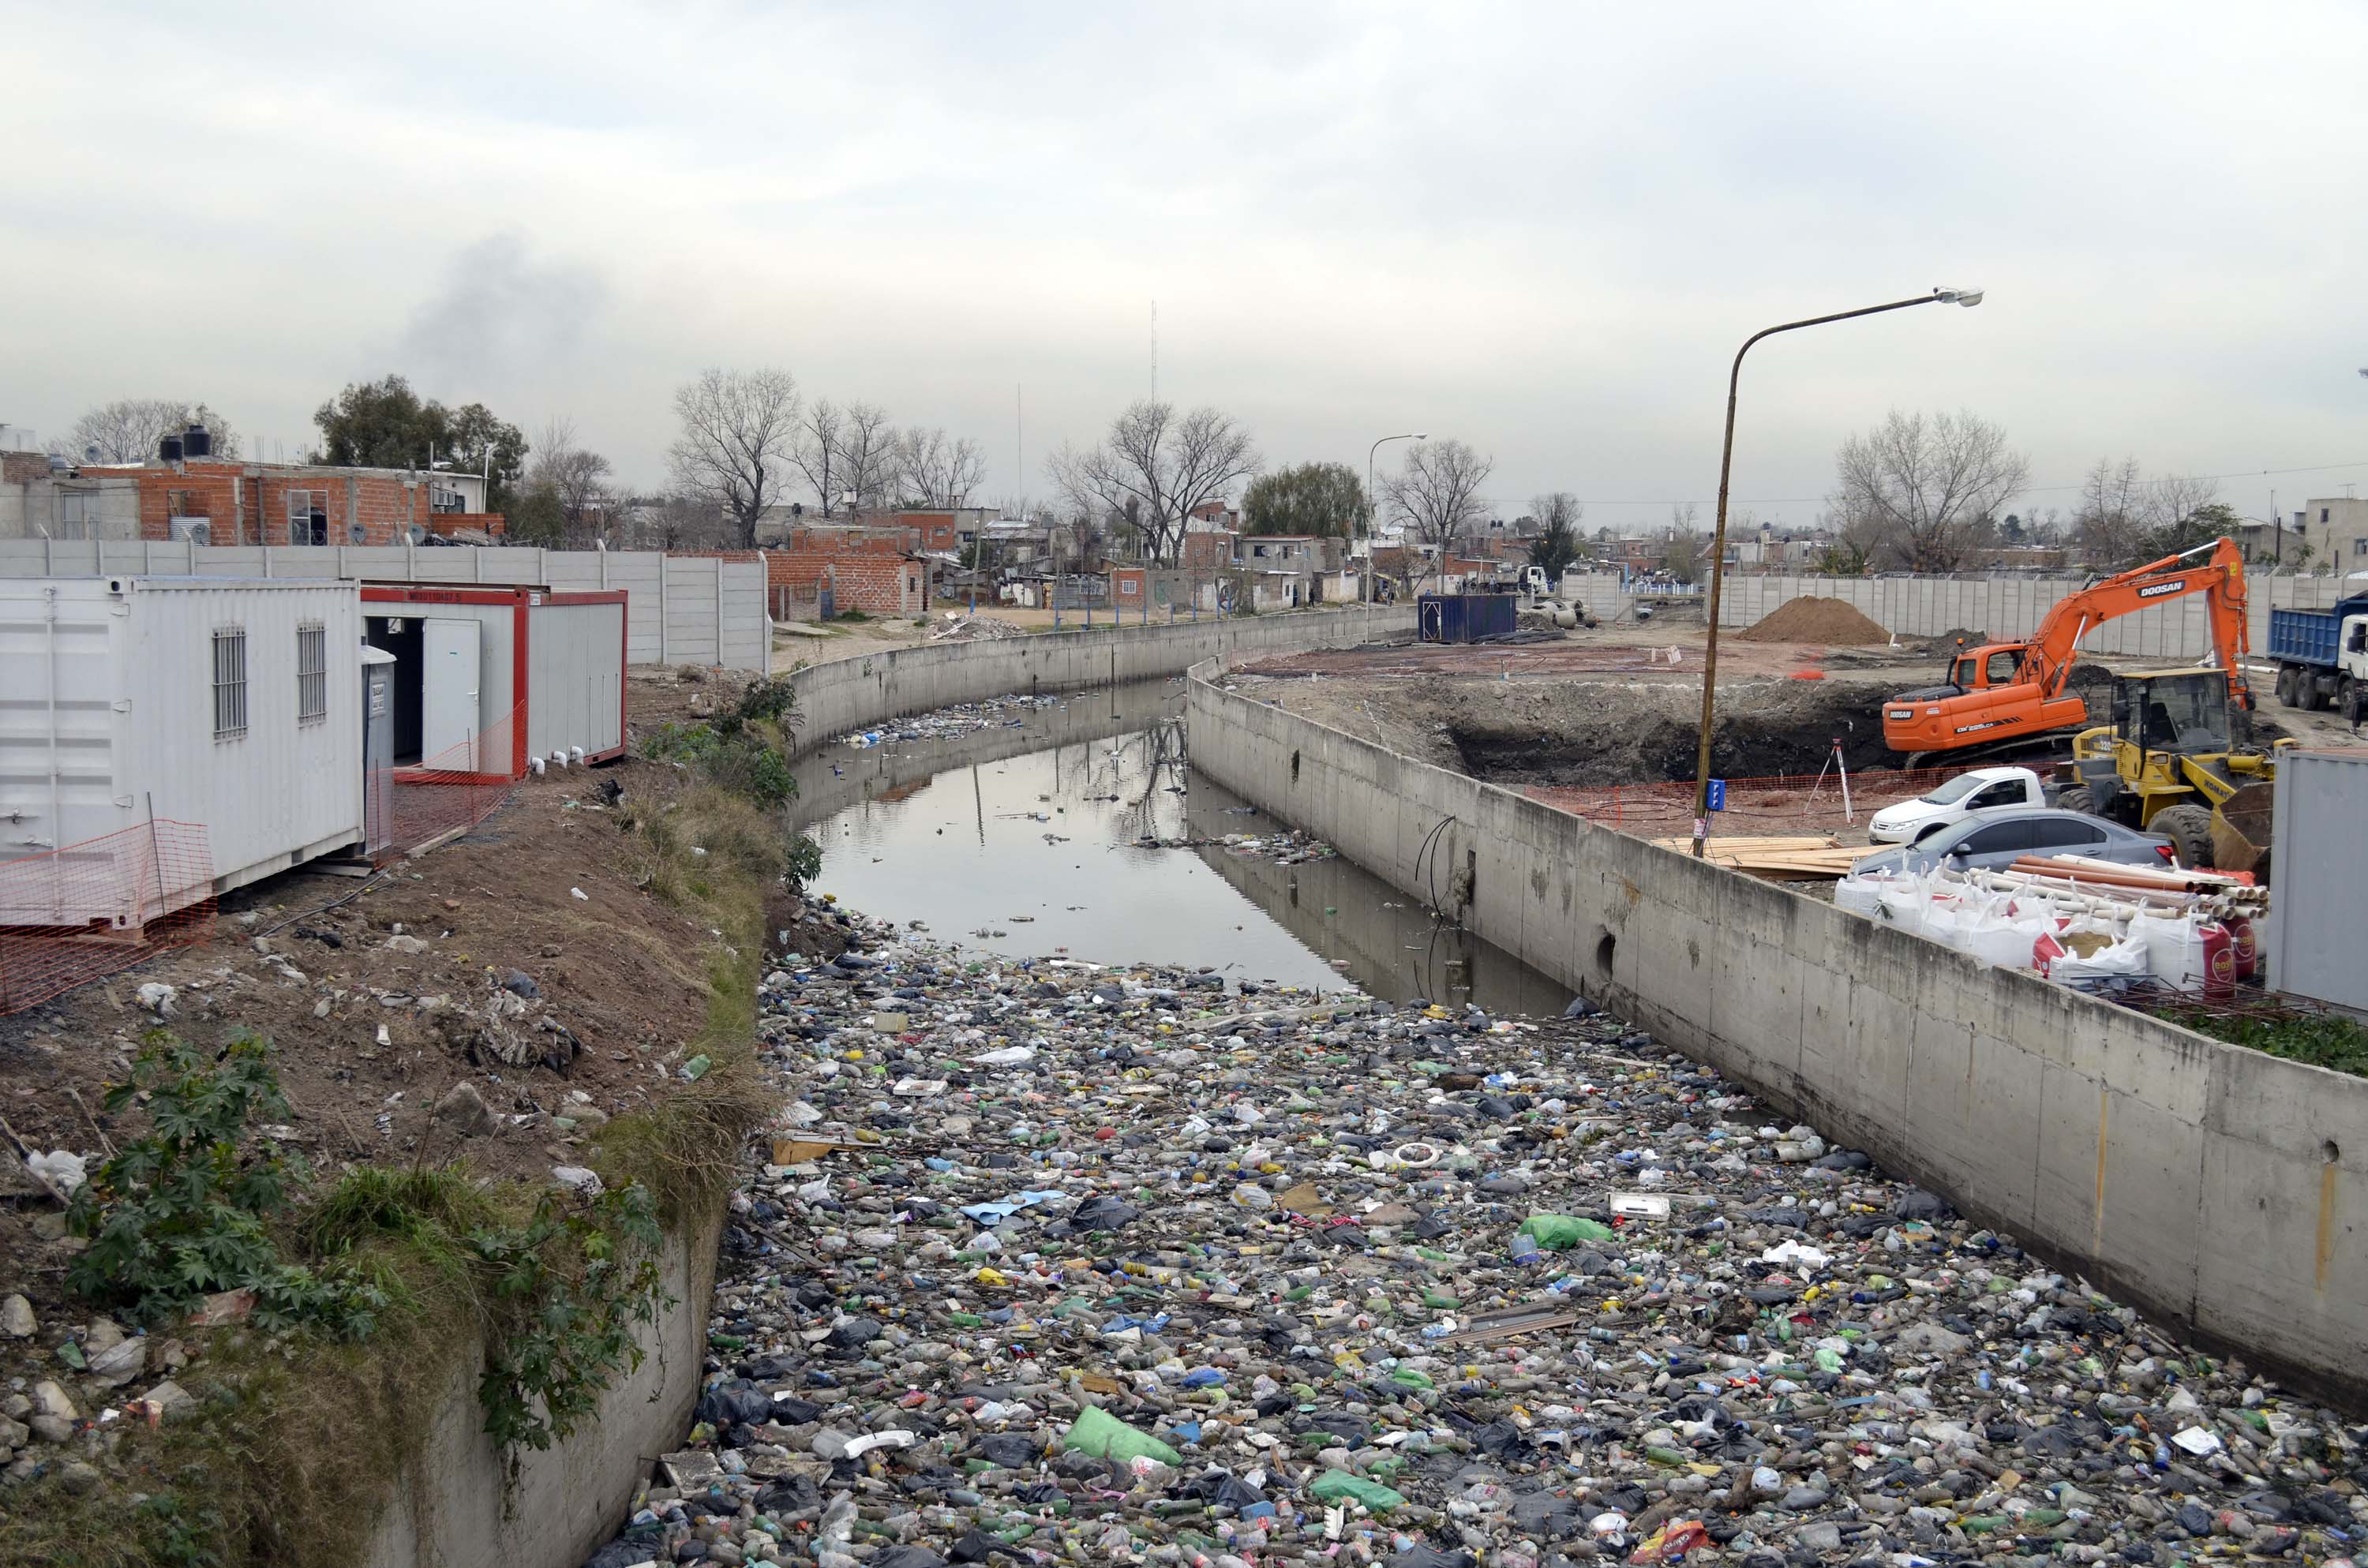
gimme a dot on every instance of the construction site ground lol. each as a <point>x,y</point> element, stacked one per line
<point>1603,722</point>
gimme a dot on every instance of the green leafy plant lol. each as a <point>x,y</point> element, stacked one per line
<point>735,750</point>
<point>180,1213</point>
<point>573,1285</point>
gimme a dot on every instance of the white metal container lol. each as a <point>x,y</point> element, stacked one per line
<point>575,676</point>
<point>2319,884</point>
<point>230,704</point>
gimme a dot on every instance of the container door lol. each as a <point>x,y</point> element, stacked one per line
<point>447,728</point>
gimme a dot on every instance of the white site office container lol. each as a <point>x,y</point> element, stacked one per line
<point>233,704</point>
<point>575,676</point>
<point>490,678</point>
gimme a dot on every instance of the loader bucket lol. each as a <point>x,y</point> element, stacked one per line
<point>2240,831</point>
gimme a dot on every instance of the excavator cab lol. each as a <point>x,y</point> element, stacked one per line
<point>2174,757</point>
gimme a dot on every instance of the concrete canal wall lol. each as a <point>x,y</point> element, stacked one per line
<point>2218,1188</point>
<point>854,694</point>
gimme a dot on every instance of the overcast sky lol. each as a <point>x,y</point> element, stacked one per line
<point>1542,229</point>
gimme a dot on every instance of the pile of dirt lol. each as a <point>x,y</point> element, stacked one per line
<point>1955,638</point>
<point>1830,621</point>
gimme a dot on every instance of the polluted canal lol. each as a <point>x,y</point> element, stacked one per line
<point>1071,828</point>
<point>1069,1260</point>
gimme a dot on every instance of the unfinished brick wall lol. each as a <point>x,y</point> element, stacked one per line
<point>1209,552</point>
<point>247,503</point>
<point>870,571</point>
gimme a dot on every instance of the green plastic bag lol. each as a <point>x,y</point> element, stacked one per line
<point>1105,1436</point>
<point>1335,1484</point>
<point>1560,1232</point>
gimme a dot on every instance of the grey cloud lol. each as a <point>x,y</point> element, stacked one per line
<point>502,316</point>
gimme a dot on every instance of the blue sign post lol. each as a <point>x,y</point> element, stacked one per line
<point>1718,794</point>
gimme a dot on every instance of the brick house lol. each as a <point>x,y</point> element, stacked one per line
<point>293,504</point>
<point>1215,550</point>
<point>866,570</point>
<point>944,530</point>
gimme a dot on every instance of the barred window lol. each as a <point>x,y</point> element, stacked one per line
<point>312,671</point>
<point>308,521</point>
<point>229,682</point>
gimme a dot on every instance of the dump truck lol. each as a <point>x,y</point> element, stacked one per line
<point>2321,654</point>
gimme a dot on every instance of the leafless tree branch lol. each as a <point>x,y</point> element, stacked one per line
<point>737,430</point>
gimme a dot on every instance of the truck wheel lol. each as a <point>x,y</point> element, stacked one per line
<point>2313,700</point>
<point>2287,683</point>
<point>2189,828</point>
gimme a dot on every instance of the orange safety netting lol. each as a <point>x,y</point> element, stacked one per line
<point>458,787</point>
<point>1791,804</point>
<point>96,908</point>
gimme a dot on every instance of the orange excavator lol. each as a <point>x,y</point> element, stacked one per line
<point>2009,697</point>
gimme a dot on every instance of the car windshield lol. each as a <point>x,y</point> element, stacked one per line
<point>1955,789</point>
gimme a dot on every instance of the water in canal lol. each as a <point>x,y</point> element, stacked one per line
<point>1030,831</point>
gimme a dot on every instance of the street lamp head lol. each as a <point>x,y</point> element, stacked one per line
<point>1968,298</point>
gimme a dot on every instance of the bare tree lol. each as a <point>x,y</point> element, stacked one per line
<point>821,432</point>
<point>1931,484</point>
<point>127,430</point>
<point>2110,515</point>
<point>1681,551</point>
<point>737,429</point>
<point>578,481</point>
<point>933,471</point>
<point>1152,468</point>
<point>679,520</point>
<point>866,454</point>
<point>2124,518</point>
<point>1437,491</point>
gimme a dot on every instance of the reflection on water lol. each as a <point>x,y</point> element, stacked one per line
<point>1029,832</point>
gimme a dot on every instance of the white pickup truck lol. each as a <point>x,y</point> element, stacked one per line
<point>1975,790</point>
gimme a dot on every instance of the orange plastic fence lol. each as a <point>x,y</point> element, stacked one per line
<point>1803,803</point>
<point>457,788</point>
<point>95,908</point>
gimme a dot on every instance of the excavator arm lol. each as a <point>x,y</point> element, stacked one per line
<point>2220,577</point>
<point>2007,694</point>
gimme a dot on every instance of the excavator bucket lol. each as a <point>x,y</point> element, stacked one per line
<point>2240,831</point>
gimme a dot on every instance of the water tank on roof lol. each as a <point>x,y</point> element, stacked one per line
<point>197,441</point>
<point>169,450</point>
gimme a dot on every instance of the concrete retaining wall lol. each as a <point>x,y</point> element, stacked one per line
<point>853,694</point>
<point>2218,1188</point>
<point>455,1512</point>
<point>2011,608</point>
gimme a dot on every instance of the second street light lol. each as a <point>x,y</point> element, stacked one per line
<point>1965,297</point>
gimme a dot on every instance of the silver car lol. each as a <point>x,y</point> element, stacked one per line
<point>1993,840</point>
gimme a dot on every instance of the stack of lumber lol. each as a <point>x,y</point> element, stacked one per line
<point>1793,857</point>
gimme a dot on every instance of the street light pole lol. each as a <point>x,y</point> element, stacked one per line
<point>1370,509</point>
<point>1965,297</point>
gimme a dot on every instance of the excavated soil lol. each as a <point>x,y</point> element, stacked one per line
<point>1830,621</point>
<point>1604,731</point>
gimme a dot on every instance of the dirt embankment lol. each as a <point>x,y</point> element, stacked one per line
<point>524,977</point>
<point>1606,730</point>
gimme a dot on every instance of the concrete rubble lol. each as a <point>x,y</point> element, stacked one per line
<point>1113,1265</point>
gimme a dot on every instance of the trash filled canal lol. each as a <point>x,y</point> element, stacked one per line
<point>1073,828</point>
<point>1053,1266</point>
